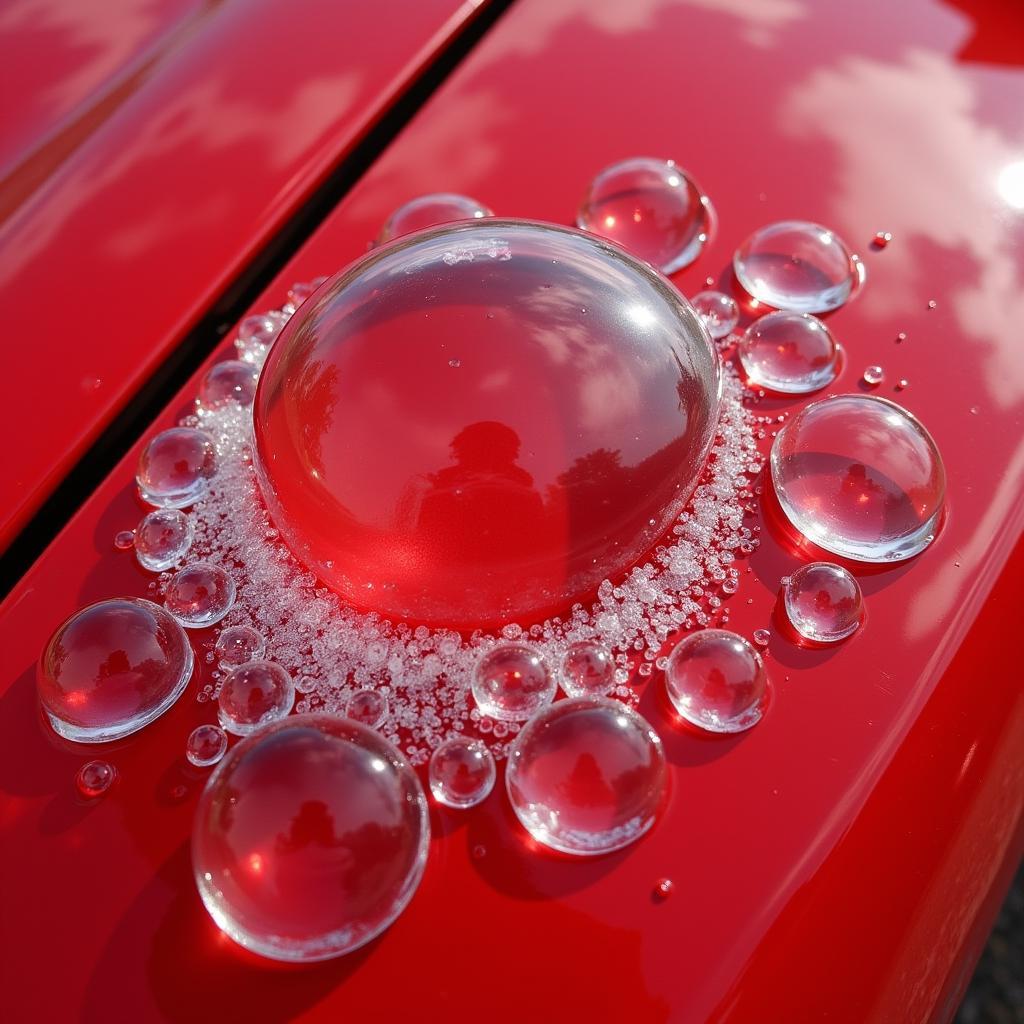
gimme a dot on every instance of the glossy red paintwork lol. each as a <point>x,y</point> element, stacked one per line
<point>130,204</point>
<point>842,860</point>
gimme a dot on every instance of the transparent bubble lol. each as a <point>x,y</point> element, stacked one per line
<point>462,773</point>
<point>176,467</point>
<point>719,312</point>
<point>652,208</point>
<point>874,375</point>
<point>124,540</point>
<point>429,211</point>
<point>199,595</point>
<point>233,380</point>
<point>256,334</point>
<point>792,353</point>
<point>823,602</point>
<point>797,265</point>
<point>310,839</point>
<point>238,644</point>
<point>716,681</point>
<point>511,681</point>
<point>368,707</point>
<point>254,694</point>
<point>861,477</point>
<point>206,745</point>
<point>163,538</point>
<point>94,778</point>
<point>112,668</point>
<point>762,637</point>
<point>586,775</point>
<point>587,669</point>
<point>458,511</point>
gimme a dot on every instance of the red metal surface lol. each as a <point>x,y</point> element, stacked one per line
<point>146,198</point>
<point>843,860</point>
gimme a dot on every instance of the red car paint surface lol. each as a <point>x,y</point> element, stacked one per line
<point>844,859</point>
<point>146,189</point>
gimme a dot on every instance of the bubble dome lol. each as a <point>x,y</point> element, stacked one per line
<point>481,422</point>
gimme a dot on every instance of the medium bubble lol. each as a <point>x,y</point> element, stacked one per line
<point>176,467</point>
<point>206,745</point>
<point>462,773</point>
<point>792,353</point>
<point>310,838</point>
<point>252,695</point>
<point>430,210</point>
<point>587,669</point>
<point>511,682</point>
<point>368,707</point>
<point>256,334</point>
<point>238,644</point>
<point>231,381</point>
<point>861,477</point>
<point>717,682</point>
<point>586,775</point>
<point>652,208</point>
<point>163,539</point>
<point>94,778</point>
<point>720,312</point>
<point>823,602</point>
<point>798,266</point>
<point>112,668</point>
<point>199,595</point>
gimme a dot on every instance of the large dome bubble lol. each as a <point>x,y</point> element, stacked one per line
<point>480,422</point>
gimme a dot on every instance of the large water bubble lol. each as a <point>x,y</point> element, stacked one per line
<point>480,423</point>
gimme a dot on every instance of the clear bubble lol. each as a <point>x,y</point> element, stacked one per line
<point>792,353</point>
<point>368,707</point>
<point>456,513</point>
<point>586,775</point>
<point>303,290</point>
<point>798,266</point>
<point>874,375</point>
<point>124,540</point>
<point>720,312</point>
<point>860,477</point>
<point>310,839</point>
<point>163,539</point>
<point>511,682</point>
<point>238,644</point>
<point>256,334</point>
<point>254,694</point>
<point>717,682</point>
<point>762,637</point>
<point>587,669</point>
<point>199,595</point>
<point>652,208</point>
<point>206,745</point>
<point>112,668</point>
<point>823,602</point>
<point>429,211</point>
<point>231,381</point>
<point>94,778</point>
<point>462,773</point>
<point>176,467</point>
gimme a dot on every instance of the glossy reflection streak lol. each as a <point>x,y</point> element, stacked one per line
<point>483,422</point>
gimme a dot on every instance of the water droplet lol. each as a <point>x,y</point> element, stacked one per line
<point>310,839</point>
<point>730,586</point>
<point>464,512</point>
<point>586,775</point>
<point>256,334</point>
<point>206,745</point>
<point>792,353</point>
<point>176,467</point>
<point>932,303</point>
<point>479,851</point>
<point>762,637</point>
<point>902,383</point>
<point>302,290</point>
<point>975,410</point>
<point>587,669</point>
<point>252,695</point>
<point>901,337</point>
<point>798,266</point>
<point>823,602</point>
<point>199,595</point>
<point>511,682</point>
<point>238,644</point>
<point>881,239</point>
<point>124,540</point>
<point>716,681</point>
<point>94,778</point>
<point>874,375</point>
<point>429,211</point>
<point>163,539</point>
<point>652,208</point>
<point>861,477</point>
<point>230,381</point>
<point>719,312</point>
<point>462,773</point>
<point>664,888</point>
<point>368,707</point>
<point>111,668</point>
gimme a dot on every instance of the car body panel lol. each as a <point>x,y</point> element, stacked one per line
<point>841,861</point>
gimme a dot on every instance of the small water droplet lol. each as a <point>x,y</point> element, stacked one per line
<point>823,602</point>
<point>881,239</point>
<point>791,353</point>
<point>232,381</point>
<point>238,644</point>
<point>511,682</point>
<point>163,539</point>
<point>368,707</point>
<point>252,695</point>
<point>932,303</point>
<point>975,410</point>
<point>454,363</point>
<point>206,745</point>
<point>587,669</point>
<point>175,467</point>
<point>199,595</point>
<point>762,637</point>
<point>901,337</point>
<point>124,540</point>
<point>663,888</point>
<point>874,375</point>
<point>719,312</point>
<point>902,383</point>
<point>94,778</point>
<point>462,773</point>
